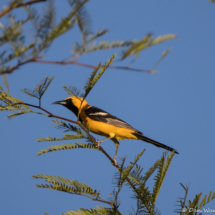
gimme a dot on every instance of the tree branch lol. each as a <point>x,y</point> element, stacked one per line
<point>7,9</point>
<point>91,66</point>
<point>37,60</point>
<point>17,66</point>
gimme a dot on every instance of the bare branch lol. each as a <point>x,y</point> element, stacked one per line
<point>7,9</point>
<point>38,60</point>
<point>9,71</point>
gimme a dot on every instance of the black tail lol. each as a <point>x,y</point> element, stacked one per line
<point>146,139</point>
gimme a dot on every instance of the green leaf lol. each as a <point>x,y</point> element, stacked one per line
<point>10,116</point>
<point>159,178</point>
<point>65,137</point>
<point>80,48</point>
<point>102,45</point>
<point>195,202</point>
<point>127,170</point>
<point>163,38</point>
<point>67,127</point>
<point>40,89</point>
<point>93,211</point>
<point>65,147</point>
<point>66,185</point>
<point>146,42</point>
<point>96,76</point>
<point>65,23</point>
<point>83,20</point>
<point>210,198</point>
<point>12,32</point>
<point>72,91</point>
<point>6,84</point>
<point>117,179</point>
<point>9,101</point>
<point>19,51</point>
<point>48,21</point>
<point>89,84</point>
<point>203,202</point>
<point>151,171</point>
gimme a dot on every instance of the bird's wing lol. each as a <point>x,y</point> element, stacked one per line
<point>97,114</point>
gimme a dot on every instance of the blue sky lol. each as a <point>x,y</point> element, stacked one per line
<point>175,107</point>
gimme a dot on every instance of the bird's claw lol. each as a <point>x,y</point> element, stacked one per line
<point>98,144</point>
<point>114,162</point>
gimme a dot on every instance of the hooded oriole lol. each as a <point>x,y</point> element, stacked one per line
<point>102,123</point>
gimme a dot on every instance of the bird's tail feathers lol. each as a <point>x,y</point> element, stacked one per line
<point>146,139</point>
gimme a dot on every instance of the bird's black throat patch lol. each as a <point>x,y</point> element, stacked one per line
<point>72,107</point>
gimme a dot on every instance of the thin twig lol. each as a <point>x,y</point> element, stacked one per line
<point>9,71</point>
<point>7,9</point>
<point>37,60</point>
<point>91,66</point>
<point>96,199</point>
<point>50,114</point>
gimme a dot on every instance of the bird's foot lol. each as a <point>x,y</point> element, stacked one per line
<point>98,143</point>
<point>114,162</point>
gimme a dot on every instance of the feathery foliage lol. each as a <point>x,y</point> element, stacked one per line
<point>40,89</point>
<point>83,20</point>
<point>73,91</point>
<point>81,48</point>
<point>67,146</point>
<point>66,185</point>
<point>48,21</point>
<point>8,101</point>
<point>187,207</point>
<point>12,33</point>
<point>66,127</point>
<point>47,30</point>
<point>65,137</point>
<point>12,30</point>
<point>96,76</point>
<point>94,211</point>
<point>6,84</point>
<point>14,104</point>
<point>102,45</point>
<point>146,42</point>
<point>18,51</point>
<point>127,170</point>
<point>162,170</point>
<point>117,179</point>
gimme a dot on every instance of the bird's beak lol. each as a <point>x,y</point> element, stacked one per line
<point>60,102</point>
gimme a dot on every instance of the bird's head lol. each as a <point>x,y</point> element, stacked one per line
<point>73,103</point>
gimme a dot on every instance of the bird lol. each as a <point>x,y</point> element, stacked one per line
<point>104,124</point>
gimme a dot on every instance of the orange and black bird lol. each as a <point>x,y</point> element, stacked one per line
<point>102,123</point>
